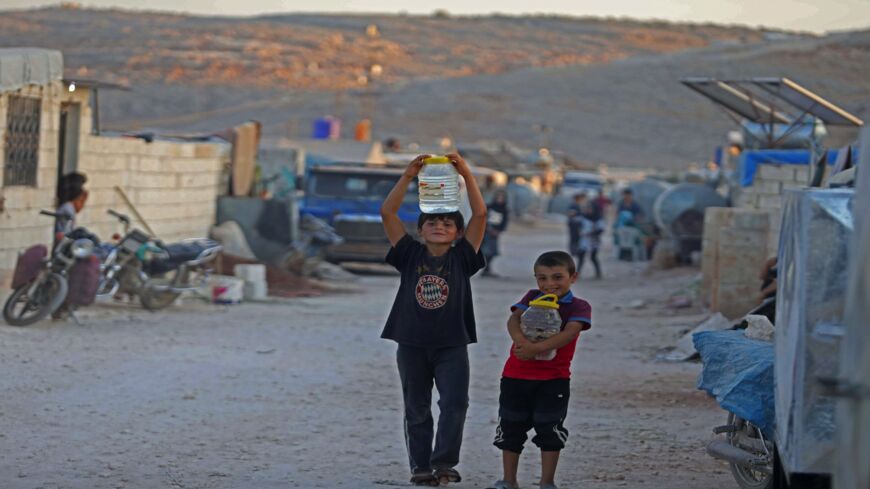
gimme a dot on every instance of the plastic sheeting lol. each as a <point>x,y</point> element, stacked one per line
<point>679,211</point>
<point>20,67</point>
<point>738,373</point>
<point>749,161</point>
<point>813,268</point>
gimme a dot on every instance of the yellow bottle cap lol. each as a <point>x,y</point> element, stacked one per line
<point>546,300</point>
<point>436,160</point>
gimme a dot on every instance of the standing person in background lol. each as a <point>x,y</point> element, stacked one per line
<point>591,229</point>
<point>496,223</point>
<point>71,198</point>
<point>602,203</point>
<point>628,204</point>
<point>575,217</point>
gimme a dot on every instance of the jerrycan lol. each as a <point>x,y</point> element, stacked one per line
<point>438,186</point>
<point>541,321</point>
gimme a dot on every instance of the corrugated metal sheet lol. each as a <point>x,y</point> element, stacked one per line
<point>20,67</point>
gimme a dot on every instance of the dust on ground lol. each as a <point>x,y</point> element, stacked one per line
<point>303,393</point>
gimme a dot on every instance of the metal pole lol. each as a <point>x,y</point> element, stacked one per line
<point>135,211</point>
<point>853,409</point>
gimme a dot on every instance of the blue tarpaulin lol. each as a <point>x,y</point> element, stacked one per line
<point>749,160</point>
<point>738,372</point>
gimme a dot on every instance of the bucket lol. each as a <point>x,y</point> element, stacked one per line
<point>226,290</point>
<point>250,273</point>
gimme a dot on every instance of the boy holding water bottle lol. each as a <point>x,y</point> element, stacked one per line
<point>432,320</point>
<point>534,392</point>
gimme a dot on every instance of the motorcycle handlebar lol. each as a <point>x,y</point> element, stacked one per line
<point>121,217</point>
<point>55,215</point>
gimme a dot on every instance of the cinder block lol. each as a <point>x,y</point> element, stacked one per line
<point>802,175</point>
<point>195,180</point>
<point>769,202</point>
<point>205,150</point>
<point>768,187</point>
<point>735,301</point>
<point>153,180</point>
<point>776,172</point>
<point>749,219</point>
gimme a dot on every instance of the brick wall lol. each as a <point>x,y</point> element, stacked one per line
<point>174,185</point>
<point>734,249</point>
<point>20,225</point>
<point>765,194</point>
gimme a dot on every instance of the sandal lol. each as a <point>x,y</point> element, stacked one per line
<point>447,475</point>
<point>504,485</point>
<point>424,479</point>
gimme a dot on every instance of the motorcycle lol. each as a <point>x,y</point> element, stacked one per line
<point>42,285</point>
<point>738,373</point>
<point>139,265</point>
<point>748,453</point>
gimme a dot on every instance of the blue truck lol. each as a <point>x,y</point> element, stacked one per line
<point>348,196</point>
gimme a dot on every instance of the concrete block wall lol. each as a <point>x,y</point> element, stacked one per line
<point>174,185</point>
<point>734,249</point>
<point>20,223</point>
<point>765,194</point>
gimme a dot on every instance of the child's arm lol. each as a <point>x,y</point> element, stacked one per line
<point>393,226</point>
<point>476,227</point>
<point>567,335</point>
<point>514,328</point>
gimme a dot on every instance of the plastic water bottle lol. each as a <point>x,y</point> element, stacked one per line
<point>541,321</point>
<point>438,186</point>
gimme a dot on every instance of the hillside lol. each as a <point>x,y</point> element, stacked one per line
<point>607,90</point>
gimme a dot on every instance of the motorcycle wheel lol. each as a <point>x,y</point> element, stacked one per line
<point>747,478</point>
<point>22,310</point>
<point>155,300</point>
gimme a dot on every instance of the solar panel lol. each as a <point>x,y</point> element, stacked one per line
<point>739,101</point>
<point>807,101</point>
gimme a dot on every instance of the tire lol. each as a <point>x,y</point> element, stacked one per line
<point>747,478</point>
<point>155,300</point>
<point>51,295</point>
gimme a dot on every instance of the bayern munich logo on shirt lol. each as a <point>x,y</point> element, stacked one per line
<point>432,291</point>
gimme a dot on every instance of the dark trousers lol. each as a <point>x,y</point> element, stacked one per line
<point>526,404</point>
<point>593,257</point>
<point>447,369</point>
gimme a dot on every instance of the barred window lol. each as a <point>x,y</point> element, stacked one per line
<point>22,141</point>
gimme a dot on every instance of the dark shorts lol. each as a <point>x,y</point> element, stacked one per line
<point>527,404</point>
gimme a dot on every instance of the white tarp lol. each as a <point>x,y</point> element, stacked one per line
<point>20,67</point>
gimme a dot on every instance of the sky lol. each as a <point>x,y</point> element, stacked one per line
<point>806,15</point>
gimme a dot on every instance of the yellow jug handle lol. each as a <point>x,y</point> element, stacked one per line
<point>546,300</point>
<point>437,160</point>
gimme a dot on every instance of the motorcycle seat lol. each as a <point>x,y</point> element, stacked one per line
<point>177,254</point>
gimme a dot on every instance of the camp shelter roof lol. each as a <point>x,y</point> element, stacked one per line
<point>765,100</point>
<point>20,67</point>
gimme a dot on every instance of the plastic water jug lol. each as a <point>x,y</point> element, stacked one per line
<point>438,186</point>
<point>541,321</point>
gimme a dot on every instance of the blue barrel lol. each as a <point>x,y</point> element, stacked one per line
<point>322,128</point>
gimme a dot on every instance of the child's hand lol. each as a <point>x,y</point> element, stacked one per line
<point>461,166</point>
<point>415,166</point>
<point>526,350</point>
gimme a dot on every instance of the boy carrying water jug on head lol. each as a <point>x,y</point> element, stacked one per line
<point>432,320</point>
<point>535,384</point>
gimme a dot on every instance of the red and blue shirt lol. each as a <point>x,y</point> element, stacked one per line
<point>570,309</point>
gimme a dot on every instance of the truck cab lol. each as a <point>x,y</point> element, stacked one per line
<point>348,196</point>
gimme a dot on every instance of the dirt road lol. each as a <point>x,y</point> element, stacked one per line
<point>304,394</point>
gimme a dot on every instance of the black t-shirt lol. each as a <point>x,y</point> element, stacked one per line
<point>433,307</point>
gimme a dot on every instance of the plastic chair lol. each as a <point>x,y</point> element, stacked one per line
<point>630,240</point>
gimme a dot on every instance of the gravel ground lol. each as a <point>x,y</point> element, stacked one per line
<point>303,393</point>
